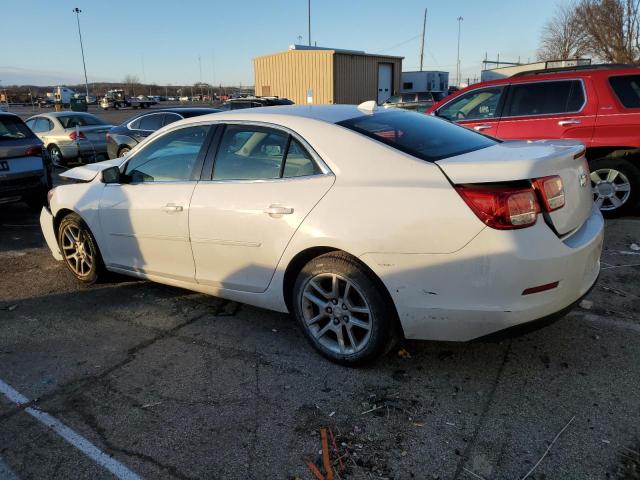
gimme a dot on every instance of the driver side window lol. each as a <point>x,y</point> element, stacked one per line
<point>476,105</point>
<point>170,158</point>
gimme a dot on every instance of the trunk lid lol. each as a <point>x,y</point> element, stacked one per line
<point>18,147</point>
<point>96,134</point>
<point>527,160</point>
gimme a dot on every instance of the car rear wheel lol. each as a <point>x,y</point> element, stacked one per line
<point>343,311</point>
<point>56,155</point>
<point>616,186</point>
<point>79,249</point>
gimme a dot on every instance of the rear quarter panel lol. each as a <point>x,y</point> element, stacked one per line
<point>615,125</point>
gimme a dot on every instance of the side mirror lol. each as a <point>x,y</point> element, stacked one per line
<point>111,175</point>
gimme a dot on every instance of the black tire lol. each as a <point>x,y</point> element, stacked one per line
<point>56,156</point>
<point>383,332</point>
<point>94,271</point>
<point>123,151</point>
<point>628,171</point>
<point>36,201</point>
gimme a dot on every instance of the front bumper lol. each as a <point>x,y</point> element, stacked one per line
<point>48,230</point>
<point>478,290</point>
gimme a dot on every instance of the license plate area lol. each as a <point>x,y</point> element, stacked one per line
<point>4,166</point>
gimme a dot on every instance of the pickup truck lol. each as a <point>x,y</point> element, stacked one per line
<point>116,99</point>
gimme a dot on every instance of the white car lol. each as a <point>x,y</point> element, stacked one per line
<point>367,225</point>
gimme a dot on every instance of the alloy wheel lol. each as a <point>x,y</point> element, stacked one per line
<point>76,250</point>
<point>611,188</point>
<point>336,313</point>
<point>56,156</point>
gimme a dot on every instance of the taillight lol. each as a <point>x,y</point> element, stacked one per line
<point>35,151</point>
<point>551,192</point>
<point>501,207</point>
<point>108,136</point>
<point>77,135</point>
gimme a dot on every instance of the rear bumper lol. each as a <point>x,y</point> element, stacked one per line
<point>20,185</point>
<point>478,290</point>
<point>84,149</point>
<point>48,231</point>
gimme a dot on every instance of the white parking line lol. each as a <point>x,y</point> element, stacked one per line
<point>74,438</point>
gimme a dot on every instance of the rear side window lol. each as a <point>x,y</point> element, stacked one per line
<point>151,122</point>
<point>420,135</point>
<point>72,121</point>
<point>544,98</point>
<point>170,118</point>
<point>627,89</point>
<point>12,128</point>
<point>474,105</point>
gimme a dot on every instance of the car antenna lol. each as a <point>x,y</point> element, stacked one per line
<point>369,106</point>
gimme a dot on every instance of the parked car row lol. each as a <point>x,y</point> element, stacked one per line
<point>596,105</point>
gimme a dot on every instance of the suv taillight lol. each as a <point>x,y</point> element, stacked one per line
<point>77,135</point>
<point>35,151</point>
<point>551,191</point>
<point>501,206</point>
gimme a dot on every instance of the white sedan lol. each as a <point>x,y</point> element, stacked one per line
<point>367,225</point>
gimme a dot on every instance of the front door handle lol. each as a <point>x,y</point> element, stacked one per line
<point>278,210</point>
<point>479,128</point>
<point>172,208</point>
<point>573,121</point>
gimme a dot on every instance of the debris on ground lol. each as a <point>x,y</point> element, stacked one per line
<point>402,353</point>
<point>325,461</point>
<point>586,304</point>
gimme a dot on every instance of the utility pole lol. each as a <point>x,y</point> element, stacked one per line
<point>309,19</point>
<point>424,28</point>
<point>458,63</point>
<point>84,66</point>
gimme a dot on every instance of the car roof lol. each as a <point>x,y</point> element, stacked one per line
<point>323,113</point>
<point>8,114</point>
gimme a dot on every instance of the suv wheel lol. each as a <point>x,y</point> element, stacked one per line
<point>342,310</point>
<point>616,186</point>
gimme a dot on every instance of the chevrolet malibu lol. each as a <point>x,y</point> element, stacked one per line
<point>367,225</point>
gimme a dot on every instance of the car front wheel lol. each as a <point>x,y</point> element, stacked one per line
<point>343,310</point>
<point>616,186</point>
<point>79,249</point>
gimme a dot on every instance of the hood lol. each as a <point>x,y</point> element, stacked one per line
<point>86,173</point>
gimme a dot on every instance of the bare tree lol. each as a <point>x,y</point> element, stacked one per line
<point>131,82</point>
<point>562,37</point>
<point>611,29</point>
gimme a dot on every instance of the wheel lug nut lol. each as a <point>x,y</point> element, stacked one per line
<point>344,306</point>
<point>336,320</point>
<point>345,318</point>
<point>334,301</point>
<point>329,309</point>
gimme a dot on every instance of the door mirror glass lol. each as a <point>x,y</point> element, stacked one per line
<point>111,175</point>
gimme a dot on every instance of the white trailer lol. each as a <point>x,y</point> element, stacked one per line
<point>426,81</point>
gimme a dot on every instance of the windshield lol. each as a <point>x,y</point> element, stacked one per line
<point>420,135</point>
<point>12,128</point>
<point>72,121</point>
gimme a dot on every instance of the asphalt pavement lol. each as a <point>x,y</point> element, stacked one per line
<point>131,379</point>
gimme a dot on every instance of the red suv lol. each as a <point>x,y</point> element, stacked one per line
<point>598,105</point>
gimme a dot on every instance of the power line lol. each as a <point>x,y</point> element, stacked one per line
<point>400,44</point>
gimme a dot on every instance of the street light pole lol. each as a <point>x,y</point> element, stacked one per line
<point>309,19</point>
<point>458,64</point>
<point>84,66</point>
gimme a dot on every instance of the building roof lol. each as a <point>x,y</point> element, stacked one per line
<point>342,51</point>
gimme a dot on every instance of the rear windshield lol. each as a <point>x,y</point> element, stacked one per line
<point>12,128</point>
<point>627,90</point>
<point>72,121</point>
<point>420,135</point>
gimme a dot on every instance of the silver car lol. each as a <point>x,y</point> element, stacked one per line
<point>71,136</point>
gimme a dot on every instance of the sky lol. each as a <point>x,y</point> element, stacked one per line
<point>186,41</point>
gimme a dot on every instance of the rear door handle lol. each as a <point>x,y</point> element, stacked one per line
<point>278,210</point>
<point>562,123</point>
<point>479,128</point>
<point>172,208</point>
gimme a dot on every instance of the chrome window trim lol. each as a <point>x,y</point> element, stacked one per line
<point>584,96</point>
<point>324,168</point>
<point>147,115</point>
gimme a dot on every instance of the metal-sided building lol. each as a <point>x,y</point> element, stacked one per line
<point>327,75</point>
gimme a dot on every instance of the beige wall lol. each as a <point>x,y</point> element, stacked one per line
<point>334,77</point>
<point>356,77</point>
<point>289,74</point>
